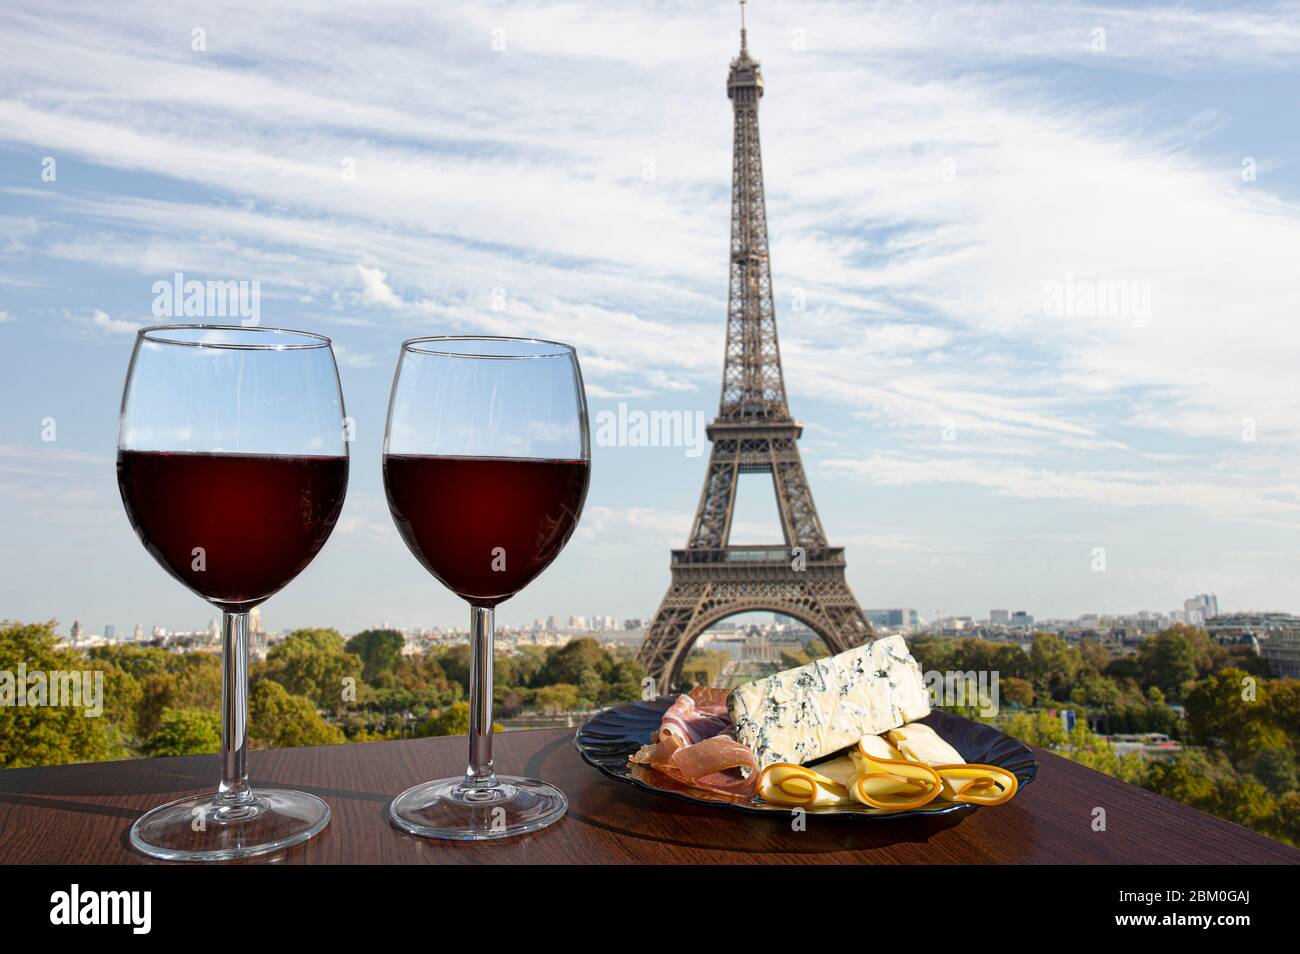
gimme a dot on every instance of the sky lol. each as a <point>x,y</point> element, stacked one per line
<point>1034,268</point>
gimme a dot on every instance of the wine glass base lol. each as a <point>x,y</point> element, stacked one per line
<point>206,828</point>
<point>449,808</point>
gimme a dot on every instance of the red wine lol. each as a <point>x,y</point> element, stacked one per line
<point>484,526</point>
<point>256,520</point>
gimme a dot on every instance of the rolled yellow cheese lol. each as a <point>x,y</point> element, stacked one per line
<point>798,786</point>
<point>962,781</point>
<point>889,783</point>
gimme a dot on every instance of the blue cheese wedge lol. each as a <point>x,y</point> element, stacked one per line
<point>802,714</point>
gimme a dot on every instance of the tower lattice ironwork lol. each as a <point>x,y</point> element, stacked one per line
<point>753,433</point>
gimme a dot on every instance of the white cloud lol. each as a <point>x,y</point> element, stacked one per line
<point>375,290</point>
<point>1111,487</point>
<point>101,319</point>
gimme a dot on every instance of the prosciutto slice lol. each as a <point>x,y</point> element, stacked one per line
<point>694,746</point>
<point>695,716</point>
<point>714,764</point>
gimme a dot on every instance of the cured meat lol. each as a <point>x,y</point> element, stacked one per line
<point>715,764</point>
<point>695,716</point>
<point>694,746</point>
<point>710,700</point>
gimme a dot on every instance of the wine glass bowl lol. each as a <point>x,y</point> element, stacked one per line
<point>233,466</point>
<point>486,465</point>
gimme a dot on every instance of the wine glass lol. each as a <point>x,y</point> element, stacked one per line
<point>486,461</point>
<point>233,463</point>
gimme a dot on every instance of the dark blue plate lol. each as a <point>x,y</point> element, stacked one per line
<point>610,736</point>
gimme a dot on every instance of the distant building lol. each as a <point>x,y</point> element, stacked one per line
<point>76,631</point>
<point>1282,650</point>
<point>1199,609</point>
<point>1274,636</point>
<point>1021,618</point>
<point>757,648</point>
<point>999,617</point>
<point>893,618</point>
<point>109,631</point>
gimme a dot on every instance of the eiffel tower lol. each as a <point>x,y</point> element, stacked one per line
<point>753,433</point>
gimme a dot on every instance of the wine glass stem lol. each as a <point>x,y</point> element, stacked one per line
<point>479,774</point>
<point>234,708</point>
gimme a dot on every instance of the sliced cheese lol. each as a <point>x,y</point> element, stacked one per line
<point>920,743</point>
<point>796,785</point>
<point>802,714</point>
<point>878,747</point>
<point>977,784</point>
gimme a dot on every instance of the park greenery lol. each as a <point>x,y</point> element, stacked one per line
<point>313,688</point>
<point>1238,727</point>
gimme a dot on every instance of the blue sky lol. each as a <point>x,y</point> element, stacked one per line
<point>932,170</point>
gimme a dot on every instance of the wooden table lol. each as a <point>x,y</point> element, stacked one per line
<point>80,814</point>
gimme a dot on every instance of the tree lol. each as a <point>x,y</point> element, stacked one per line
<point>326,640</point>
<point>1275,768</point>
<point>1093,656</point>
<point>794,658</point>
<point>279,720</point>
<point>701,667</point>
<point>1095,692</point>
<point>454,720</point>
<point>1018,691</point>
<point>1168,660</point>
<point>1284,823</point>
<point>50,734</point>
<point>379,649</point>
<point>138,661</point>
<point>590,688</point>
<point>313,663</point>
<point>529,663</point>
<point>557,698</point>
<point>184,732</point>
<point>1244,658</point>
<point>456,661</point>
<point>1283,703</point>
<point>191,681</point>
<point>1188,778</point>
<point>1010,661</point>
<point>624,682</point>
<point>1221,714</point>
<point>1053,664</point>
<point>422,678</point>
<point>568,663</point>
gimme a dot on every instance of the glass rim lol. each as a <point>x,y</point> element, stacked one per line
<point>415,345</point>
<point>156,334</point>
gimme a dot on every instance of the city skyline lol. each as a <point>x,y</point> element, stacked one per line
<point>615,623</point>
<point>951,198</point>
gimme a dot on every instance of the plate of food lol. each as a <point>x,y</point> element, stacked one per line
<point>851,734</point>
